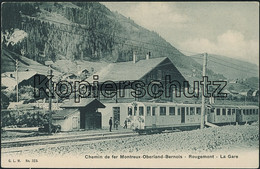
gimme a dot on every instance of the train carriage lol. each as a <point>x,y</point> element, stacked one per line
<point>247,114</point>
<point>221,114</point>
<point>229,114</point>
<point>149,117</point>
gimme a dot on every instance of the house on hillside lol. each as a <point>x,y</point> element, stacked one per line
<point>69,76</point>
<point>28,83</point>
<point>149,71</point>
<point>255,93</point>
<point>233,81</point>
<point>15,105</point>
<point>85,73</point>
<point>24,79</point>
<point>246,92</point>
<point>22,106</point>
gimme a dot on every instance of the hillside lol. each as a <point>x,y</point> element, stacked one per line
<point>231,68</point>
<point>80,32</point>
<point>25,64</point>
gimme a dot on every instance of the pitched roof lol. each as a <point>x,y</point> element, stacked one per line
<point>27,64</point>
<point>62,114</point>
<point>10,82</point>
<point>127,70</point>
<point>84,102</point>
<point>20,105</point>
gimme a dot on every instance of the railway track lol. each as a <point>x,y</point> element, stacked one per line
<point>41,143</point>
<point>32,144</point>
<point>78,138</point>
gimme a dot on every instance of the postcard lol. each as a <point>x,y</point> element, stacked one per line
<point>129,84</point>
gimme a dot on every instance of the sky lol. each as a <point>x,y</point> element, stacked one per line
<point>225,28</point>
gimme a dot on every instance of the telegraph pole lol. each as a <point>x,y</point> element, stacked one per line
<point>16,69</point>
<point>204,91</point>
<point>50,100</point>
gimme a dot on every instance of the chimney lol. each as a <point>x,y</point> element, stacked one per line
<point>134,57</point>
<point>148,55</point>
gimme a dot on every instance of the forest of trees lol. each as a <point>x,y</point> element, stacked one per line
<point>90,35</point>
<point>84,31</point>
<point>93,33</point>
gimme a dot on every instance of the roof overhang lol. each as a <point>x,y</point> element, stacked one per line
<point>83,103</point>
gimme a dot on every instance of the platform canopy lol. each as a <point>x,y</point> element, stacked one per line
<point>84,102</point>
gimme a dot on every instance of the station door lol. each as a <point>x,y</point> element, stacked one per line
<point>116,115</point>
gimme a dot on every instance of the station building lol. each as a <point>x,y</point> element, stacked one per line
<point>93,113</point>
<point>148,71</point>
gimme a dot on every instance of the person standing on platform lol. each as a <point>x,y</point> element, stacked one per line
<point>110,124</point>
<point>125,126</point>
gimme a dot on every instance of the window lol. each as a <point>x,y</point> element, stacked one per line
<point>130,111</point>
<point>257,111</point>
<point>244,112</point>
<point>141,111</point>
<point>163,75</point>
<point>247,112</point>
<point>229,111</point>
<point>250,111</point>
<point>153,111</point>
<point>233,111</point>
<point>162,111</point>
<point>148,111</point>
<point>171,111</point>
<point>223,111</point>
<point>179,111</point>
<point>187,110</point>
<point>239,112</point>
<point>218,112</point>
<point>116,115</point>
<point>192,111</point>
<point>135,109</point>
<point>253,111</point>
<point>198,111</point>
<point>127,93</point>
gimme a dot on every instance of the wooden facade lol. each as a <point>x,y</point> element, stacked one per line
<point>76,116</point>
<point>156,74</point>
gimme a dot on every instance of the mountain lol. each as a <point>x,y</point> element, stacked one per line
<point>82,32</point>
<point>230,68</point>
<point>86,31</point>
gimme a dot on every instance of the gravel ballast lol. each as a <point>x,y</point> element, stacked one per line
<point>206,140</point>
